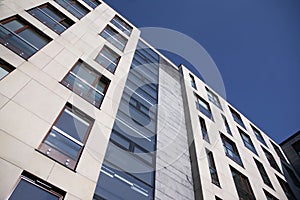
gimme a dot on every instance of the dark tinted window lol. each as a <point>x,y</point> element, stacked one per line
<point>121,25</point>
<point>31,187</point>
<point>21,37</point>
<point>67,136</point>
<point>73,7</point>
<point>87,83</point>
<point>114,37</point>
<point>108,59</point>
<point>92,3</point>
<point>51,17</point>
<point>5,68</point>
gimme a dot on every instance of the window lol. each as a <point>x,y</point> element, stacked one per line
<point>5,68</point>
<point>278,151</point>
<point>212,169</point>
<point>87,83</point>
<point>122,25</point>
<point>73,7</point>
<point>237,118</point>
<point>203,107</point>
<point>247,141</point>
<point>226,125</point>
<point>114,37</point>
<point>242,185</point>
<point>218,198</point>
<point>292,175</point>
<point>92,3</point>
<point>296,147</point>
<point>271,160</point>
<point>263,173</point>
<point>286,188</point>
<point>213,98</point>
<point>258,135</point>
<point>21,37</point>
<point>108,59</point>
<point>193,83</point>
<point>269,196</point>
<point>65,141</point>
<point>203,129</point>
<point>31,187</point>
<point>51,17</point>
<point>231,150</point>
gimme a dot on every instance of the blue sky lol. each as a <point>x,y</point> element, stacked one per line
<point>255,44</point>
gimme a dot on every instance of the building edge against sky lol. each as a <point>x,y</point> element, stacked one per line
<point>68,71</point>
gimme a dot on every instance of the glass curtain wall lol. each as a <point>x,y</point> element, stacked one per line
<point>128,170</point>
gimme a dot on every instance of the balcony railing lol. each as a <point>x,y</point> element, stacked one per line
<point>83,89</point>
<point>16,43</point>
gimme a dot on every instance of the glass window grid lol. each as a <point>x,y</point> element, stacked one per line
<point>203,129</point>
<point>193,83</point>
<point>108,59</point>
<point>73,7</point>
<point>237,118</point>
<point>242,185</point>
<point>212,169</point>
<point>203,107</point>
<point>271,160</point>
<point>263,173</point>
<point>247,141</point>
<point>92,3</point>
<point>122,25</point>
<point>213,98</point>
<point>231,150</point>
<point>51,17</point>
<point>258,135</point>
<point>35,183</point>
<point>286,189</point>
<point>278,151</point>
<point>292,175</point>
<point>92,92</point>
<point>18,40</point>
<point>114,37</point>
<point>62,146</point>
<point>226,125</point>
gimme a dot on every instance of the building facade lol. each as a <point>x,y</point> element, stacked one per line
<point>89,110</point>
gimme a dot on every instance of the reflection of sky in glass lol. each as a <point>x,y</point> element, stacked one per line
<point>72,125</point>
<point>3,73</point>
<point>26,190</point>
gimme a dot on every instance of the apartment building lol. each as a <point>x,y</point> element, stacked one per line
<point>89,110</point>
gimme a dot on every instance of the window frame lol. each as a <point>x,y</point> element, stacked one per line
<point>205,111</point>
<point>62,157</point>
<point>100,76</point>
<point>7,67</point>
<point>247,143</point>
<point>263,173</point>
<point>62,16</point>
<point>192,81</point>
<point>272,160</point>
<point>212,97</point>
<point>91,2</point>
<point>237,117</point>
<point>237,159</point>
<point>212,168</point>
<point>245,183</point>
<point>39,183</point>
<point>258,135</point>
<point>204,129</point>
<point>15,33</point>
<point>124,28</point>
<point>112,52</point>
<point>116,33</point>
<point>71,3</point>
